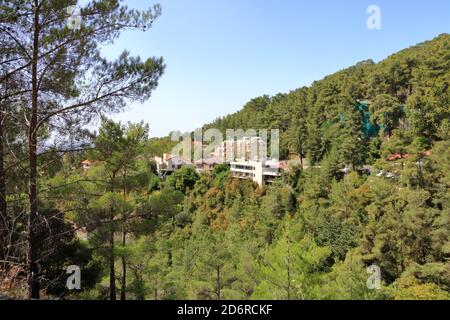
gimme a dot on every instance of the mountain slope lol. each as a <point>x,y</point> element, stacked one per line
<point>409,87</point>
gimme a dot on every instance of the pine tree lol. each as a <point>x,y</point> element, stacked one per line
<point>291,268</point>
<point>78,83</point>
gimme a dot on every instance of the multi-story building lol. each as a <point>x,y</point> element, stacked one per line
<point>243,149</point>
<point>247,157</point>
<point>258,171</point>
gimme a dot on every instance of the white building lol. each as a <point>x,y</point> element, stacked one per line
<point>247,157</point>
<point>243,149</point>
<point>258,171</point>
<point>169,163</point>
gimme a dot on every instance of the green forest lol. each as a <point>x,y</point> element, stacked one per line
<point>312,234</point>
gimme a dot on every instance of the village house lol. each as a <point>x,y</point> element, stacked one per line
<point>87,165</point>
<point>169,163</point>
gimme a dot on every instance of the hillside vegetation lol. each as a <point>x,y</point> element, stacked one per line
<point>408,92</point>
<point>312,234</point>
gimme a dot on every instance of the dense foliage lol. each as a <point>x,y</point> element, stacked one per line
<point>309,235</point>
<point>408,92</point>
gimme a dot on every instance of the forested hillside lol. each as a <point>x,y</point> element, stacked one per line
<point>312,235</point>
<point>309,235</point>
<point>408,92</point>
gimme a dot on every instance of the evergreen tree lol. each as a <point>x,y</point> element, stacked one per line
<point>69,80</point>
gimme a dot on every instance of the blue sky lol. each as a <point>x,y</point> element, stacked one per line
<point>222,53</point>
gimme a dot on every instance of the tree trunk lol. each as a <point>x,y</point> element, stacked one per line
<point>123,281</point>
<point>289,272</point>
<point>301,159</point>
<point>112,271</point>
<point>32,250</point>
<point>3,204</point>
<point>218,284</point>
<point>124,270</point>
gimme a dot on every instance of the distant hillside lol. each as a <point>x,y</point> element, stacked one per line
<point>409,89</point>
